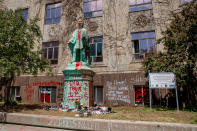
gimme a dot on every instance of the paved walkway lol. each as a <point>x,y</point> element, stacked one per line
<point>14,127</point>
<point>91,124</point>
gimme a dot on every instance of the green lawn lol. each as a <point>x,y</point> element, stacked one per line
<point>119,113</point>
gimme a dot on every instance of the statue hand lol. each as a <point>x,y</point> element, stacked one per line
<point>68,42</point>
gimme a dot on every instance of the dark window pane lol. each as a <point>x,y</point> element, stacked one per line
<point>50,53</point>
<point>50,6</point>
<point>137,36</point>
<point>87,15</point>
<point>99,5</point>
<point>17,91</point>
<point>99,49</point>
<point>54,44</point>
<point>45,53</point>
<point>25,14</point>
<point>143,46</point>
<point>136,46</point>
<point>149,34</point>
<point>86,7</point>
<point>56,53</point>
<point>98,59</point>
<point>54,61</point>
<point>53,11</point>
<point>58,12</point>
<point>48,15</point>
<point>140,7</point>
<point>53,95</point>
<point>56,20</point>
<point>93,6</point>
<point>151,43</point>
<point>48,21</point>
<point>97,39</point>
<point>92,50</point>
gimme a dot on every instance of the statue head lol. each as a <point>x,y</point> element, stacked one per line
<point>80,23</point>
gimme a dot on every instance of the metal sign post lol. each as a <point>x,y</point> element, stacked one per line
<point>162,80</point>
<point>177,101</point>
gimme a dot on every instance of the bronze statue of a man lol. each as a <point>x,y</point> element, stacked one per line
<point>78,43</point>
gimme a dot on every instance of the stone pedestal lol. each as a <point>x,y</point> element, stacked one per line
<point>78,84</point>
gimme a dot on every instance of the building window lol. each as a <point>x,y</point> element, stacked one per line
<point>15,93</point>
<point>137,5</point>
<point>92,8</point>
<point>184,1</point>
<point>47,94</point>
<point>96,49</point>
<point>98,95</point>
<point>51,51</point>
<point>141,95</point>
<point>25,14</point>
<point>143,43</point>
<point>53,13</point>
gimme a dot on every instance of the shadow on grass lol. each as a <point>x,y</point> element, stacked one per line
<point>20,107</point>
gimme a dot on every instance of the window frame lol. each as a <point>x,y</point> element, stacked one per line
<point>93,58</point>
<point>141,4</point>
<point>50,18</point>
<point>143,54</point>
<point>50,92</point>
<point>92,12</point>
<point>144,102</point>
<point>53,52</point>
<point>15,92</point>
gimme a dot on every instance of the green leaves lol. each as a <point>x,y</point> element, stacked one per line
<point>18,53</point>
<point>180,42</point>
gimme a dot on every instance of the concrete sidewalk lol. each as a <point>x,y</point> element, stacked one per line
<point>14,127</point>
<point>91,124</point>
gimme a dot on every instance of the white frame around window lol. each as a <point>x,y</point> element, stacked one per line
<point>96,43</point>
<point>45,91</point>
<point>142,54</point>
<point>48,90</point>
<point>57,5</point>
<point>53,53</point>
<point>15,91</point>
<point>142,4</point>
<point>96,10</point>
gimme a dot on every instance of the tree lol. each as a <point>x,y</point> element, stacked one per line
<point>180,56</point>
<point>18,51</point>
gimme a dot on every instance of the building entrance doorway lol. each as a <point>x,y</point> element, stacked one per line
<point>98,95</point>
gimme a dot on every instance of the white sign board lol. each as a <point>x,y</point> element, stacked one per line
<point>162,80</point>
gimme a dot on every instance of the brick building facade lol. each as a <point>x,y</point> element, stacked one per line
<point>121,33</point>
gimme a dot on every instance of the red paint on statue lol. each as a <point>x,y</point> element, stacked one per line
<point>77,65</point>
<point>79,36</point>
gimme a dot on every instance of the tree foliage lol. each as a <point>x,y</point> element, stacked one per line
<point>180,45</point>
<point>18,51</point>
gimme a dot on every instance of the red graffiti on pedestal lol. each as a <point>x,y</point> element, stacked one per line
<point>75,90</point>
